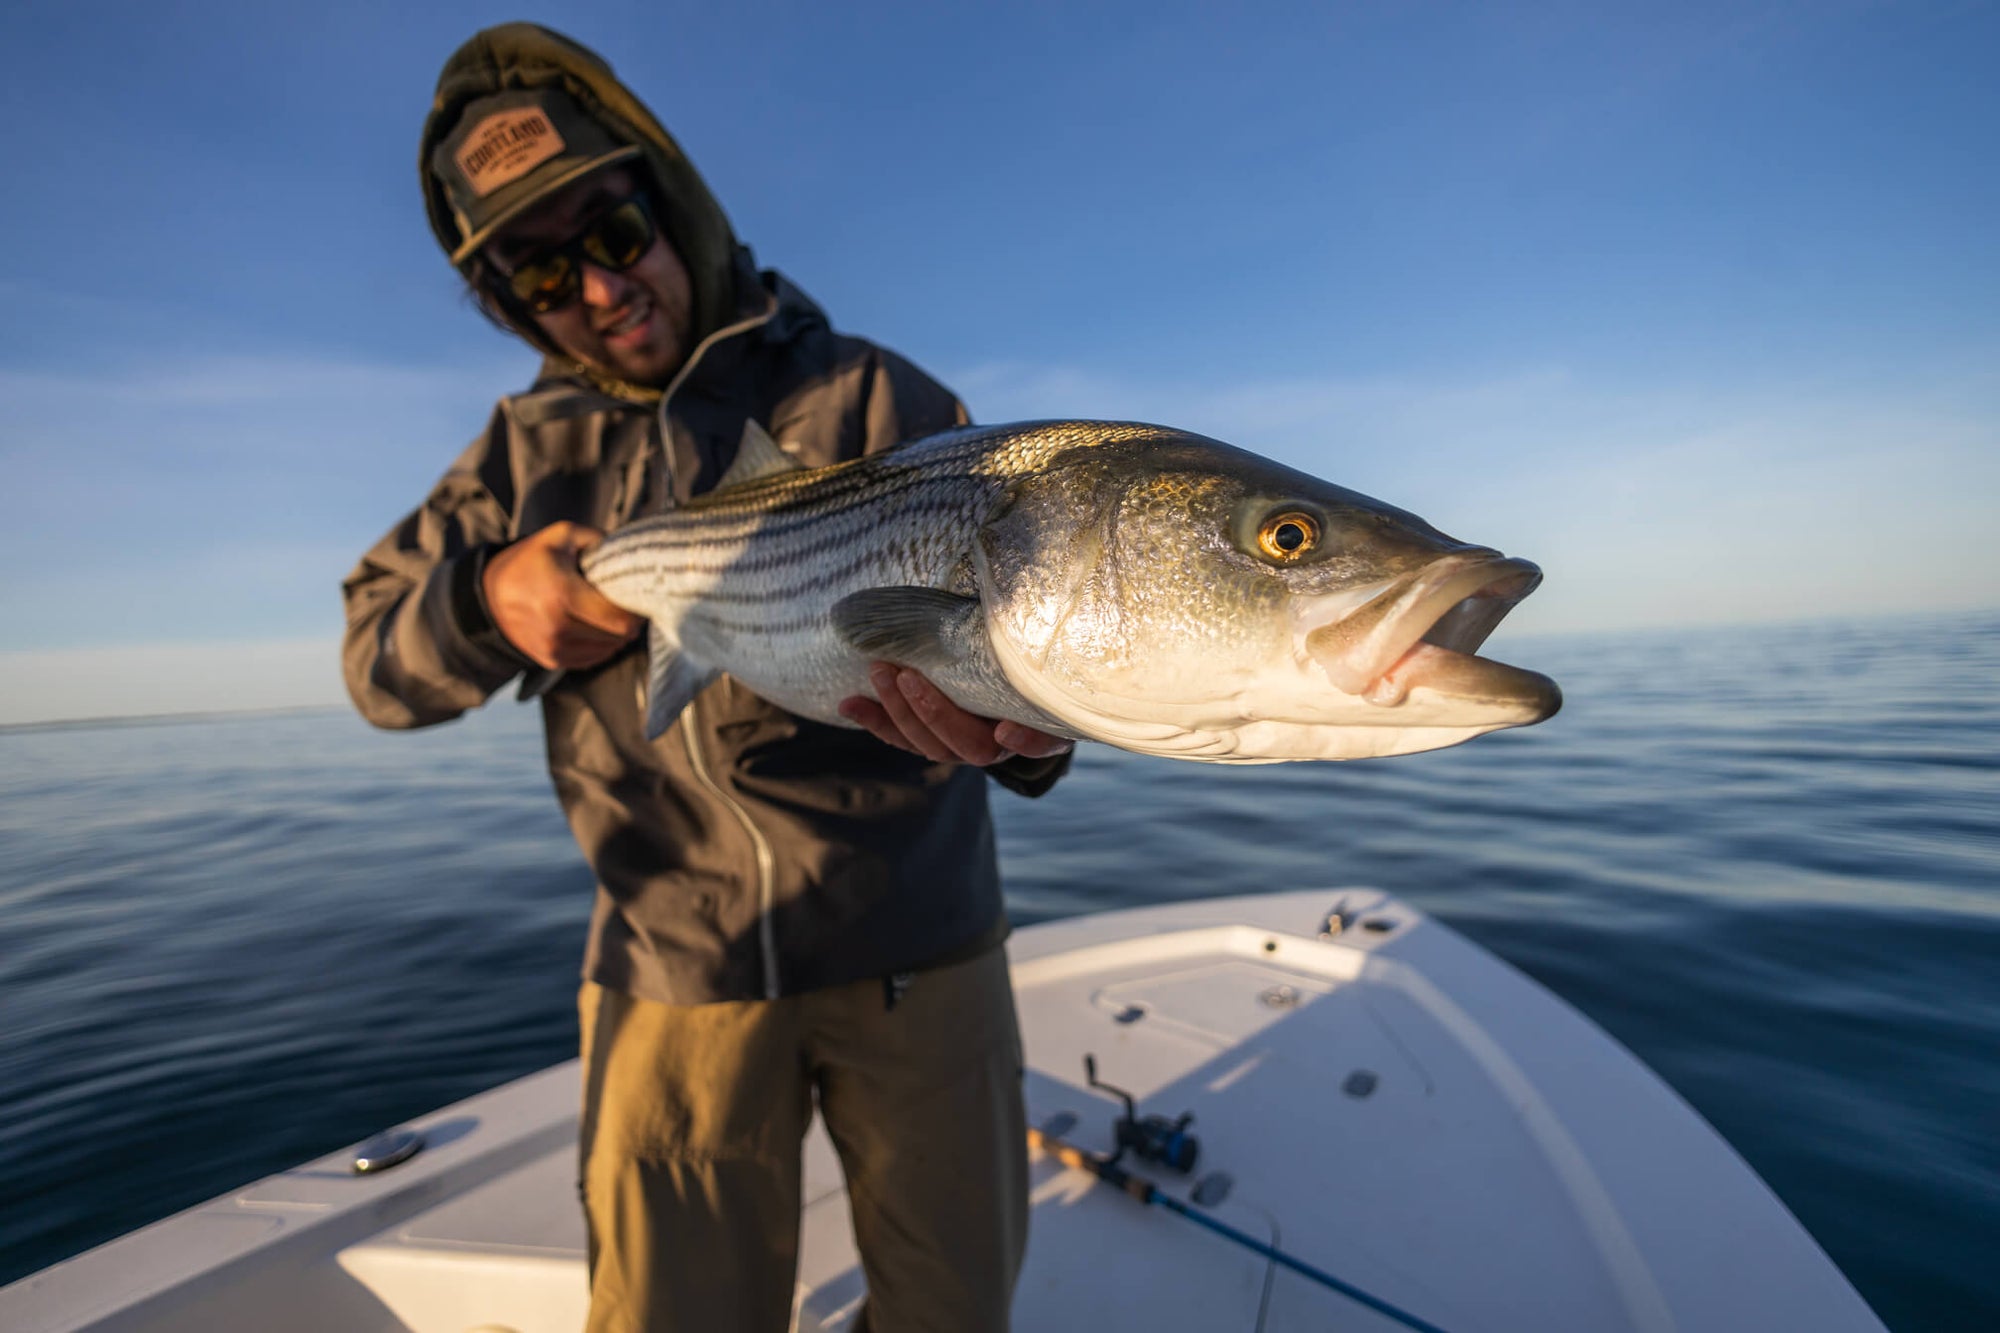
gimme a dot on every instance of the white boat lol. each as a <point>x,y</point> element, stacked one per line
<point>1425,1138</point>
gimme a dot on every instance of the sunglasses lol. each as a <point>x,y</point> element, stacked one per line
<point>550,279</point>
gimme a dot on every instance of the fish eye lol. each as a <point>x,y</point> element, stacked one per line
<point>1288,536</point>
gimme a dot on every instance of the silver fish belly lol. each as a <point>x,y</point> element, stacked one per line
<point>1104,580</point>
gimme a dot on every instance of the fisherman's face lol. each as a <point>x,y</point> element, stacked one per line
<point>634,324</point>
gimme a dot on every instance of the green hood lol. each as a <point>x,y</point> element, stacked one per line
<point>524,55</point>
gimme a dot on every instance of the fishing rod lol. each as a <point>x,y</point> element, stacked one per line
<point>1107,1170</point>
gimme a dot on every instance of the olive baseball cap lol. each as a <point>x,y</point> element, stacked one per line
<point>512,149</point>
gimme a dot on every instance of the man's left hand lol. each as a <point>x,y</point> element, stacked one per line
<point>915,715</point>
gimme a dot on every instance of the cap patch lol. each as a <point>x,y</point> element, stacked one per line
<point>506,146</point>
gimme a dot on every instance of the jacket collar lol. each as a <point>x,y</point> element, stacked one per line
<point>771,310</point>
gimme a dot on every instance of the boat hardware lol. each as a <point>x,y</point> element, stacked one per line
<point>391,1148</point>
<point>1282,997</point>
<point>1154,1139</point>
<point>1336,921</point>
<point>1107,1170</point>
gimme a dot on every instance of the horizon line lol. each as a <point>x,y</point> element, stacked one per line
<point>168,717</point>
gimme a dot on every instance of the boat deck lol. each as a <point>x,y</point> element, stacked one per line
<point>1387,1103</point>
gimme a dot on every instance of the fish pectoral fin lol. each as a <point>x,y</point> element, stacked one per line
<point>911,626</point>
<point>757,456</point>
<point>672,681</point>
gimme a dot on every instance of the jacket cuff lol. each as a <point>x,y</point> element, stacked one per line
<point>1030,777</point>
<point>469,614</point>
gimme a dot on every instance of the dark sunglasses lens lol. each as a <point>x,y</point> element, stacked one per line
<point>620,236</point>
<point>545,284</point>
<point>615,241</point>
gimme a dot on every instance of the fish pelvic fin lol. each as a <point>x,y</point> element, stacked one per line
<point>672,681</point>
<point>916,627</point>
<point>757,456</point>
<point>943,635</point>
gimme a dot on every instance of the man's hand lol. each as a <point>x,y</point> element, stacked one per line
<point>540,600</point>
<point>915,715</point>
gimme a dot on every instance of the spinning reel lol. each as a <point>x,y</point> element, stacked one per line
<point>1153,1139</point>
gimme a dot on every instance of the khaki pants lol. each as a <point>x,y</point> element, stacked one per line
<point>693,1119</point>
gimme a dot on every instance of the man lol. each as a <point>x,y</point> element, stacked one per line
<point>787,913</point>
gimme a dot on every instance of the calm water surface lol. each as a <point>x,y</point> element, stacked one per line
<point>1767,861</point>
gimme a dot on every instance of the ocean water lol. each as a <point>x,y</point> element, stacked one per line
<point>1767,861</point>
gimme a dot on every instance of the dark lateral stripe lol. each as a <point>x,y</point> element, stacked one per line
<point>740,563</point>
<point>763,627</point>
<point>794,589</point>
<point>680,547</point>
<point>772,523</point>
<point>779,590</point>
<point>920,523</point>
<point>746,560</point>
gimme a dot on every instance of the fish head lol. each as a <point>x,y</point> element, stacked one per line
<point>1174,595</point>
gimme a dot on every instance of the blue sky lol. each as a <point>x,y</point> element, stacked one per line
<point>1698,306</point>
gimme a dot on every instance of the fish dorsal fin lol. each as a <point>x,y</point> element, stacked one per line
<point>671,681</point>
<point>757,456</point>
<point>911,626</point>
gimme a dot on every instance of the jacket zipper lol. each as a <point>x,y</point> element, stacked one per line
<point>767,931</point>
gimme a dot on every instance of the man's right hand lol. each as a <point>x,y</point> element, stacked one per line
<point>540,600</point>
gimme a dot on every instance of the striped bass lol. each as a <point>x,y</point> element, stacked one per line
<point>1125,583</point>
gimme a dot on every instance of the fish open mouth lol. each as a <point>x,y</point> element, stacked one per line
<point>1423,631</point>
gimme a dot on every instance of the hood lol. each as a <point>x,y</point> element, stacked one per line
<point>525,55</point>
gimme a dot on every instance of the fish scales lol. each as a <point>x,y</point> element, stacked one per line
<point>760,563</point>
<point>1106,580</point>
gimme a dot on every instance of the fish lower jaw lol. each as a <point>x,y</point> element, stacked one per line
<point>1369,734</point>
<point>1296,717</point>
<point>1392,687</point>
<point>1428,679</point>
<point>1271,743</point>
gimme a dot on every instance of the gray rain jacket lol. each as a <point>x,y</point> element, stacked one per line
<point>747,853</point>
